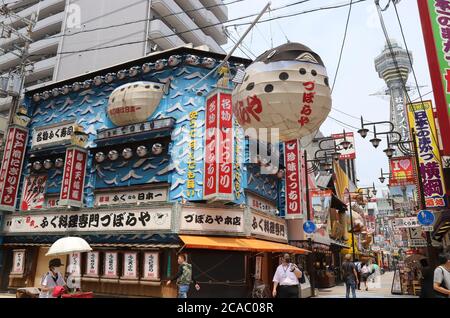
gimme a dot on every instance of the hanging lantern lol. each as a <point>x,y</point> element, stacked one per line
<point>76,86</point>
<point>87,84</point>
<point>100,157</point>
<point>109,78</point>
<point>160,65</point>
<point>55,92</point>
<point>48,164</point>
<point>157,149</point>
<point>192,60</point>
<point>121,74</point>
<point>66,89</point>
<point>98,80</point>
<point>113,155</point>
<point>147,67</point>
<point>285,88</point>
<point>37,97</point>
<point>59,163</point>
<point>37,165</point>
<point>174,60</point>
<point>142,151</point>
<point>134,71</point>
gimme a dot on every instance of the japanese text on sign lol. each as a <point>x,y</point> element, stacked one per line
<point>294,189</point>
<point>48,136</point>
<point>110,267</point>
<point>92,262</point>
<point>151,266</point>
<point>144,196</point>
<point>308,102</point>
<point>33,195</point>
<point>212,220</point>
<point>73,178</point>
<point>268,227</point>
<point>130,266</point>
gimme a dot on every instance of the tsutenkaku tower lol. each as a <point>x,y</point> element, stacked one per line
<point>395,77</point>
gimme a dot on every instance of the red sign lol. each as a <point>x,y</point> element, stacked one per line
<point>218,179</point>
<point>293,179</point>
<point>11,168</point>
<point>33,195</point>
<point>402,171</point>
<point>73,178</point>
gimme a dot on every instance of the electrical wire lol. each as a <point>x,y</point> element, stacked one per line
<point>342,46</point>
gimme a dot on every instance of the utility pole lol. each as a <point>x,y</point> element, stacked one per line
<point>311,269</point>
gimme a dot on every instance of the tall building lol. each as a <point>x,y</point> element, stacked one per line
<point>74,37</point>
<point>395,73</point>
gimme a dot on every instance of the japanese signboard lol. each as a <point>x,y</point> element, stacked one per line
<point>421,119</point>
<point>110,269</point>
<point>130,197</point>
<point>320,211</point>
<point>406,222</point>
<point>135,128</point>
<point>130,265</point>
<point>212,220</point>
<point>192,161</point>
<point>268,227</point>
<point>435,18</point>
<point>260,204</point>
<point>294,180</point>
<point>18,266</point>
<point>100,221</point>
<point>219,144</point>
<point>11,168</point>
<point>92,264</point>
<point>52,135</point>
<point>73,179</point>
<point>349,153</point>
<point>151,266</point>
<point>402,171</point>
<point>415,233</point>
<point>74,266</point>
<point>417,243</point>
<point>33,195</point>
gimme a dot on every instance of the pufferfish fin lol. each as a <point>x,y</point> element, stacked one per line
<point>307,57</point>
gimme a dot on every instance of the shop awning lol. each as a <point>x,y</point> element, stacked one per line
<point>104,245</point>
<point>238,244</point>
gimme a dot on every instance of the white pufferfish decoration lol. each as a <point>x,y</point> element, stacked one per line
<point>286,88</point>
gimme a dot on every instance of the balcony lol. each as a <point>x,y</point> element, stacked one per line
<point>218,8</point>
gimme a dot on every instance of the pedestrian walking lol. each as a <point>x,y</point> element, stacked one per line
<point>350,276</point>
<point>365,274</point>
<point>426,281</point>
<point>358,271</point>
<point>52,279</point>
<point>286,279</point>
<point>442,276</point>
<point>184,277</point>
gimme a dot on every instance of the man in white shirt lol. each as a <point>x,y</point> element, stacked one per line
<point>286,279</point>
<point>51,279</point>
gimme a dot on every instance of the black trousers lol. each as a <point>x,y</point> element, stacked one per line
<point>288,291</point>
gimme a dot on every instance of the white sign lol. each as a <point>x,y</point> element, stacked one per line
<point>130,265</point>
<point>102,221</point>
<point>18,262</point>
<point>110,268</point>
<point>407,222</point>
<point>135,128</point>
<point>427,228</point>
<point>129,197</point>
<point>348,153</point>
<point>92,262</point>
<point>415,233</point>
<point>417,243</point>
<point>151,266</point>
<point>217,220</point>
<point>259,204</point>
<point>52,135</point>
<point>74,266</point>
<point>269,227</point>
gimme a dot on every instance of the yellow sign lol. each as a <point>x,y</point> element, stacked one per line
<point>421,119</point>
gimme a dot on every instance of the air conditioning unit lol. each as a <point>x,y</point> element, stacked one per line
<point>3,86</point>
<point>14,85</point>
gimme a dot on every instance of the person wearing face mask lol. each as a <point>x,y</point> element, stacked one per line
<point>52,279</point>
<point>286,279</point>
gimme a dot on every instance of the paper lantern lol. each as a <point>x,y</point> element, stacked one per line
<point>285,88</point>
<point>134,102</point>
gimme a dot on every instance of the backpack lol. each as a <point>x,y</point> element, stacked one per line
<point>186,276</point>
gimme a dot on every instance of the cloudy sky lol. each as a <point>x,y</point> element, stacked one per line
<point>323,32</point>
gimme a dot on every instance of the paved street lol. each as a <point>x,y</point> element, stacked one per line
<point>383,292</point>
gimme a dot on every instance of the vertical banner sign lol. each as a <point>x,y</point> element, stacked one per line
<point>421,119</point>
<point>18,267</point>
<point>130,265</point>
<point>110,268</point>
<point>151,266</point>
<point>92,262</point>
<point>219,147</point>
<point>73,178</point>
<point>258,266</point>
<point>33,195</point>
<point>11,168</point>
<point>435,18</point>
<point>293,179</point>
<point>349,153</point>
<point>74,266</point>
<point>402,171</point>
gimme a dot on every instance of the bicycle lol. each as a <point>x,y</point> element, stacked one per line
<point>260,290</point>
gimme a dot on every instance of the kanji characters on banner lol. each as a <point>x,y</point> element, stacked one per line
<point>295,180</point>
<point>73,178</point>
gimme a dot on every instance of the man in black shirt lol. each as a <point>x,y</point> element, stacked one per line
<point>350,276</point>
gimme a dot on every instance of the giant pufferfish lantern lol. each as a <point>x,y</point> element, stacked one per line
<point>135,102</point>
<point>286,88</point>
